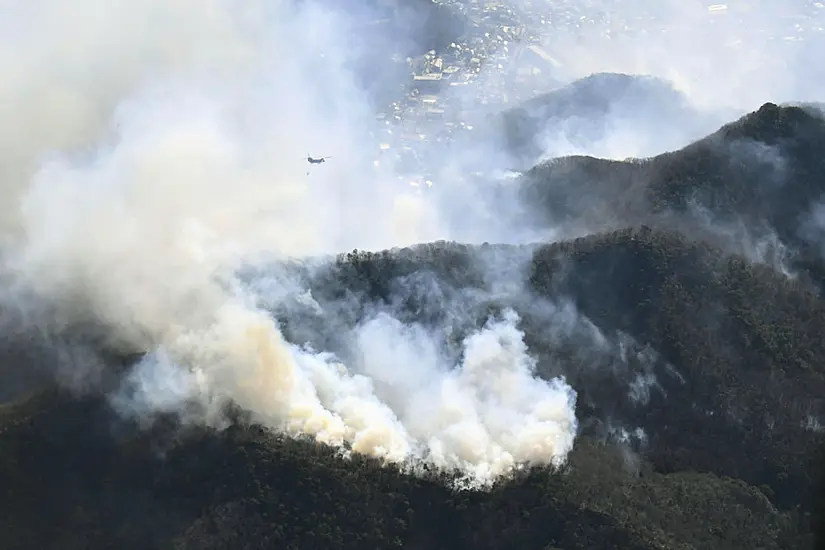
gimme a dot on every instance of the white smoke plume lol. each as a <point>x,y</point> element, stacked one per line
<point>152,149</point>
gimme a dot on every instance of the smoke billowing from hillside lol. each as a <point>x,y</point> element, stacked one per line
<point>161,148</point>
<point>153,149</point>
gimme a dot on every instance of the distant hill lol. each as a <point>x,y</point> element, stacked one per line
<point>605,114</point>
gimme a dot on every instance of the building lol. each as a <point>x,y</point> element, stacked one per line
<point>428,83</point>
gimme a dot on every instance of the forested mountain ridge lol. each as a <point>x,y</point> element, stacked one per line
<point>757,180</point>
<point>699,376</point>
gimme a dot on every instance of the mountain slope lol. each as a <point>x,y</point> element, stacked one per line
<point>69,484</point>
<point>744,341</point>
<point>716,456</point>
<point>699,377</point>
<point>734,348</point>
<point>759,176</point>
<point>608,111</point>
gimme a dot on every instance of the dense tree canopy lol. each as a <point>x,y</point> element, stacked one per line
<point>727,432</point>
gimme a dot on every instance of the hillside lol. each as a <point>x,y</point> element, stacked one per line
<point>711,320</point>
<point>731,353</point>
<point>244,488</point>
<point>757,178</point>
<point>605,111</point>
<point>697,367</point>
<point>617,343</point>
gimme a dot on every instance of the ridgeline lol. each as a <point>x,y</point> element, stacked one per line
<point>719,448</point>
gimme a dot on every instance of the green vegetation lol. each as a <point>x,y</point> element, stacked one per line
<point>763,170</point>
<point>69,484</point>
<point>731,447</point>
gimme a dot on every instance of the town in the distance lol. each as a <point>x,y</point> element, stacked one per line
<point>511,52</point>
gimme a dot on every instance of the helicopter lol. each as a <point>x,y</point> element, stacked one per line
<point>319,160</point>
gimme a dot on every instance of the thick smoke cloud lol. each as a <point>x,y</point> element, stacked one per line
<point>153,150</point>
<point>160,149</point>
